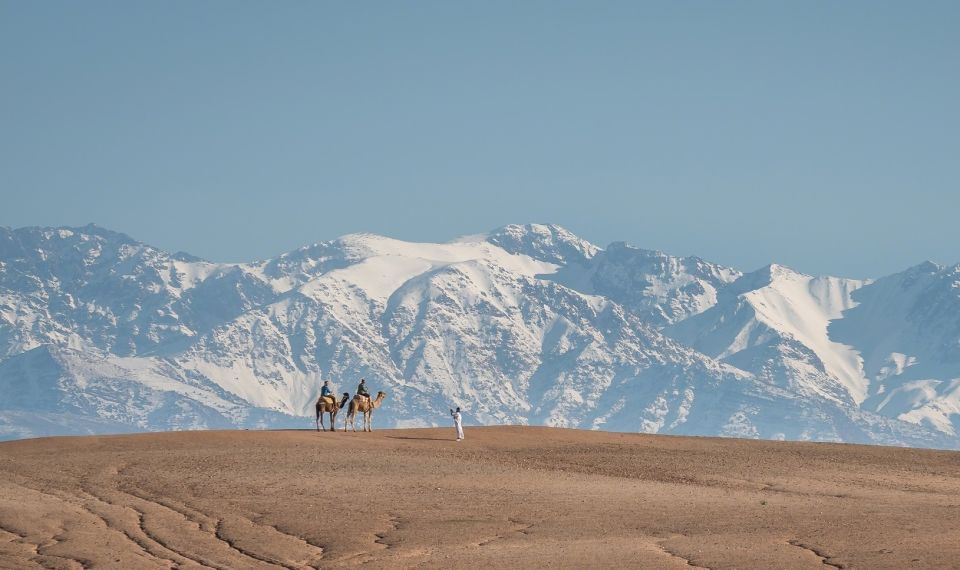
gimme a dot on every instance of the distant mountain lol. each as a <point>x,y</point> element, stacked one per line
<point>773,323</point>
<point>526,324</point>
<point>660,288</point>
<point>906,330</point>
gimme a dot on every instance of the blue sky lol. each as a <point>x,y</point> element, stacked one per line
<point>821,135</point>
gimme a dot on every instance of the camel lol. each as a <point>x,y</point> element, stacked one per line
<point>327,407</point>
<point>364,406</point>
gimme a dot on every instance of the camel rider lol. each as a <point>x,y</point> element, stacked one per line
<point>362,389</point>
<point>327,393</point>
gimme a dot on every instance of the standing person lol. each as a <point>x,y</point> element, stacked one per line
<point>458,423</point>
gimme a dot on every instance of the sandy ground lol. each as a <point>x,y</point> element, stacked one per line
<point>505,497</point>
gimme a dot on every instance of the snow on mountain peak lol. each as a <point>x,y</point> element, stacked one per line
<point>546,242</point>
<point>661,288</point>
<point>382,265</point>
<point>906,328</point>
<point>526,324</point>
<point>778,319</point>
<point>775,270</point>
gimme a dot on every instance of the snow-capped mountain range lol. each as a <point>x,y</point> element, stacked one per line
<point>528,324</point>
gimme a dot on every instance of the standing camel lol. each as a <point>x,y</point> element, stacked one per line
<point>364,406</point>
<point>325,406</point>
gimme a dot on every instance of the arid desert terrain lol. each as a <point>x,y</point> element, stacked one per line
<point>505,497</point>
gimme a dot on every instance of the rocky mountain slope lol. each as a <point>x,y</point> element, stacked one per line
<point>527,324</point>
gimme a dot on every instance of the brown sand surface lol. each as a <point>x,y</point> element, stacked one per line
<point>506,497</point>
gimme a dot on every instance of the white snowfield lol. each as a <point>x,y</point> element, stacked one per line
<point>773,308</point>
<point>528,324</point>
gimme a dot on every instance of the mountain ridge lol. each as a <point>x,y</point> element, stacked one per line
<point>526,324</point>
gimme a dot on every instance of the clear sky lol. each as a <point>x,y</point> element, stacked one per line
<point>823,135</point>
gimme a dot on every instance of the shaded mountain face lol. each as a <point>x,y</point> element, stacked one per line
<point>906,328</point>
<point>774,323</point>
<point>528,324</point>
<point>660,288</point>
<point>103,291</point>
<point>888,346</point>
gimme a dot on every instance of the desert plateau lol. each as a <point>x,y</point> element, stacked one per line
<point>504,497</point>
